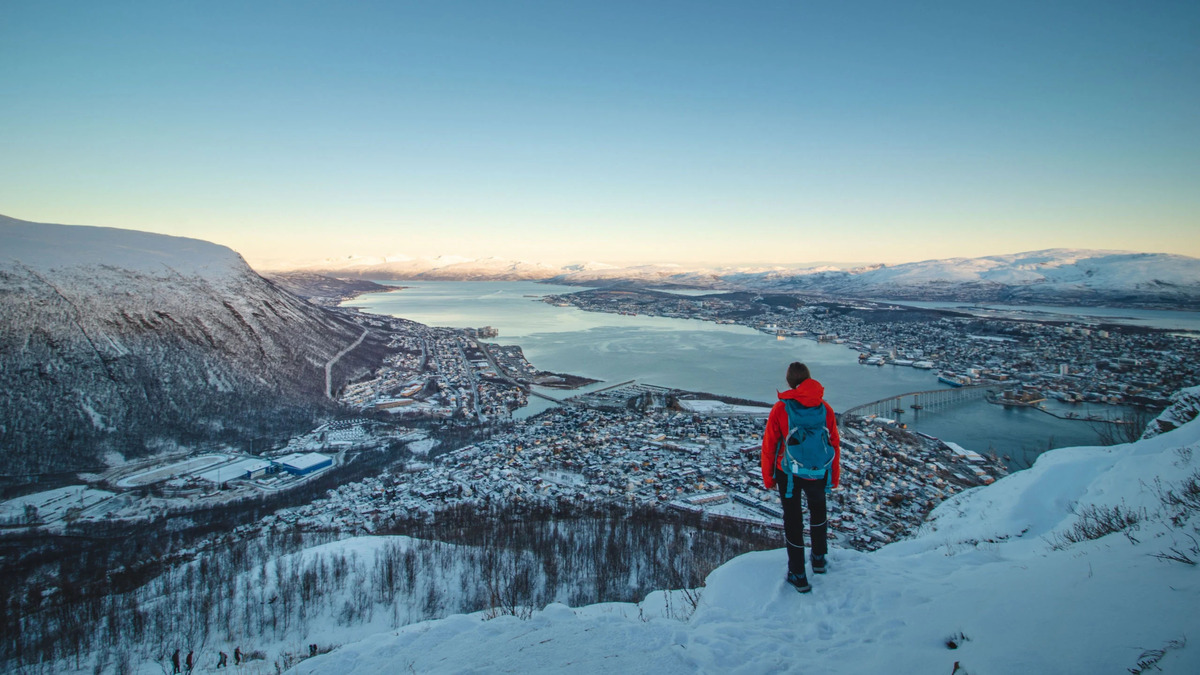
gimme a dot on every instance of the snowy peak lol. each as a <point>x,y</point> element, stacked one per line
<point>489,269</point>
<point>443,268</point>
<point>1092,270</point>
<point>121,340</point>
<point>46,247</point>
<point>589,267</point>
<point>1054,276</point>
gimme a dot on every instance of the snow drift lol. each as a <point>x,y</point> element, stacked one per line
<point>1083,563</point>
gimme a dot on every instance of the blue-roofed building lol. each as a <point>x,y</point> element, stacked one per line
<point>302,464</point>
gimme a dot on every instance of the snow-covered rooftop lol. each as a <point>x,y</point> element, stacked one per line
<point>234,470</point>
<point>303,460</point>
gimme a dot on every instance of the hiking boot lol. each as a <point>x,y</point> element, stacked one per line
<point>818,564</point>
<point>799,582</point>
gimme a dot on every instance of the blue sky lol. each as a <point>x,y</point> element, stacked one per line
<point>640,131</point>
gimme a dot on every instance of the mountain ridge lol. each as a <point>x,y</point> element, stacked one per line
<point>132,342</point>
<point>1050,276</point>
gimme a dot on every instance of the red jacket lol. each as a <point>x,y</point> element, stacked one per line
<point>809,394</point>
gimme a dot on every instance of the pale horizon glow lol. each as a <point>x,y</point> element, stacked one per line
<point>775,133</point>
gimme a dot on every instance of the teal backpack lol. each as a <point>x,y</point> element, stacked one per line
<point>808,452</point>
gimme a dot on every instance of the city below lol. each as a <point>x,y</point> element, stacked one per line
<point>440,413</point>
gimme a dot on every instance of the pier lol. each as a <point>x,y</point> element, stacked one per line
<point>917,400</point>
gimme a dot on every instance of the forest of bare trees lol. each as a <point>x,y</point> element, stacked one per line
<point>264,587</point>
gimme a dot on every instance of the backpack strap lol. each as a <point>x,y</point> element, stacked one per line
<point>782,442</point>
<point>778,446</point>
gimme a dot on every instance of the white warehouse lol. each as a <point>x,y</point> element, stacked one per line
<point>302,464</point>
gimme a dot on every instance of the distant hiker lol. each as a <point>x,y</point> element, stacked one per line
<point>222,660</point>
<point>312,649</point>
<point>237,656</point>
<point>190,662</point>
<point>801,453</point>
<point>175,662</point>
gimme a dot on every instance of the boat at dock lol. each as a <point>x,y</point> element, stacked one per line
<point>952,379</point>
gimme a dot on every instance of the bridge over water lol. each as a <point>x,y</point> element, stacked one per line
<point>916,400</point>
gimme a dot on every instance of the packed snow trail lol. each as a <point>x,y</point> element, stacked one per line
<point>991,565</point>
<point>329,364</point>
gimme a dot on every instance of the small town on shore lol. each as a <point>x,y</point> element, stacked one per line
<point>441,410</point>
<point>627,444</point>
<point>704,464</point>
<point>1070,361</point>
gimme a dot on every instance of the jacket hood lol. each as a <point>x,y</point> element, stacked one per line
<point>808,393</point>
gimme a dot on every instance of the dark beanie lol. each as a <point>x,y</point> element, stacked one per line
<point>797,373</point>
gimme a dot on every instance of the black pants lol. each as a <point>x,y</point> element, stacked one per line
<point>793,518</point>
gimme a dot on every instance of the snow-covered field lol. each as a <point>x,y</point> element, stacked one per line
<point>422,447</point>
<point>711,407</point>
<point>1019,575</point>
<point>160,473</point>
<point>52,505</point>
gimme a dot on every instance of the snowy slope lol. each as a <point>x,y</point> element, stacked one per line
<point>121,340</point>
<point>489,269</point>
<point>1108,270</point>
<point>443,268</point>
<point>1051,276</point>
<point>993,565</point>
<point>1056,276</point>
<point>47,248</point>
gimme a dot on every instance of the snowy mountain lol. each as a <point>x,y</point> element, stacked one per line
<point>488,269</point>
<point>455,268</point>
<point>440,268</point>
<point>1055,276</point>
<point>647,275</point>
<point>129,342</point>
<point>1084,563</point>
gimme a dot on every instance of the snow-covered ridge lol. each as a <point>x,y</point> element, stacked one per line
<point>46,247</point>
<point>1185,407</point>
<point>114,339</point>
<point>1001,571</point>
<point>444,268</point>
<point>1096,269</point>
<point>1055,275</point>
<point>1062,275</point>
<point>457,268</point>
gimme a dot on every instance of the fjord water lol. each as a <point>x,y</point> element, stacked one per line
<point>704,356</point>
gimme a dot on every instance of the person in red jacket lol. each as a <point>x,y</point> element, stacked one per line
<point>810,394</point>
